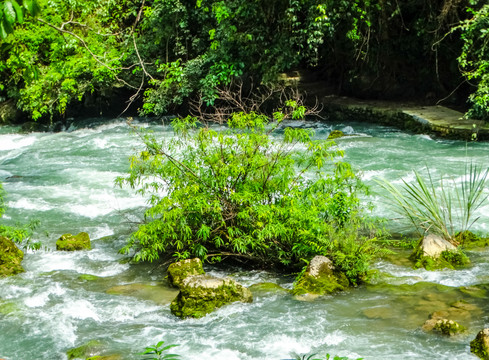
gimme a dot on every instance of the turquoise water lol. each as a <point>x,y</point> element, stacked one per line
<point>66,181</point>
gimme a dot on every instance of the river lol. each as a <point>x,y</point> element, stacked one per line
<point>66,180</point>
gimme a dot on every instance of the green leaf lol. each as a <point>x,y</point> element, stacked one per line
<point>5,28</point>
<point>9,12</point>
<point>32,7</point>
<point>18,11</point>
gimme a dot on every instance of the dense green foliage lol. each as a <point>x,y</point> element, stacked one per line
<point>255,190</point>
<point>164,52</point>
<point>474,59</point>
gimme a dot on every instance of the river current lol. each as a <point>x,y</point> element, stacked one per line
<point>66,180</point>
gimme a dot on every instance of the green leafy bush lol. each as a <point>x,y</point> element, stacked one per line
<point>474,59</point>
<point>254,190</point>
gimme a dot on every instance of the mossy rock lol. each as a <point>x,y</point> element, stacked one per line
<point>448,327</point>
<point>320,278</point>
<point>480,345</point>
<point>335,134</point>
<point>10,258</point>
<point>201,294</point>
<point>85,351</point>
<point>469,240</point>
<point>180,270</point>
<point>450,259</point>
<point>68,242</point>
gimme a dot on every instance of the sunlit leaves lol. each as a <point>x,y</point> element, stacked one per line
<point>246,190</point>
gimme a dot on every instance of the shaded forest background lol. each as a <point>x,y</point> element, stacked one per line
<point>62,59</point>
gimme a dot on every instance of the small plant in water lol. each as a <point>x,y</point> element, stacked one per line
<point>158,352</point>
<point>443,207</point>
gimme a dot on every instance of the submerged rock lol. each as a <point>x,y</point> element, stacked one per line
<point>434,252</point>
<point>320,278</point>
<point>480,345</point>
<point>68,242</point>
<point>156,293</point>
<point>10,258</point>
<point>267,288</point>
<point>85,351</point>
<point>380,312</point>
<point>201,294</point>
<point>180,270</point>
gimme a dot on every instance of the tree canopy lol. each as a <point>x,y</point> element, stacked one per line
<point>159,53</point>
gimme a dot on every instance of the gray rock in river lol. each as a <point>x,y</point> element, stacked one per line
<point>433,245</point>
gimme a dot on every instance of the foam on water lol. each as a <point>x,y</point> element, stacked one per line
<point>93,262</point>
<point>30,204</point>
<point>14,141</point>
<point>67,178</point>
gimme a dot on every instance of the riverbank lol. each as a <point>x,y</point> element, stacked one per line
<point>438,120</point>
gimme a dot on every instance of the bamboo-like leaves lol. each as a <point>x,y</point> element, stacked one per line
<point>444,208</point>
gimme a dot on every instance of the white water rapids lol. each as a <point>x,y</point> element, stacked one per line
<point>66,181</point>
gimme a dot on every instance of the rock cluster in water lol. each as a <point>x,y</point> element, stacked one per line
<point>10,258</point>
<point>68,242</point>
<point>320,278</point>
<point>200,294</point>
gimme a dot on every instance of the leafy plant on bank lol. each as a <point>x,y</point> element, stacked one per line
<point>445,207</point>
<point>255,190</point>
<point>158,352</point>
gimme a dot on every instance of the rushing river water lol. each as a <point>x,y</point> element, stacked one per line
<point>66,181</point>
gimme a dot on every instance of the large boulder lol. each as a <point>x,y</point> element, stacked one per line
<point>480,345</point>
<point>68,242</point>
<point>180,270</point>
<point>434,252</point>
<point>10,258</point>
<point>201,294</point>
<point>320,278</point>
